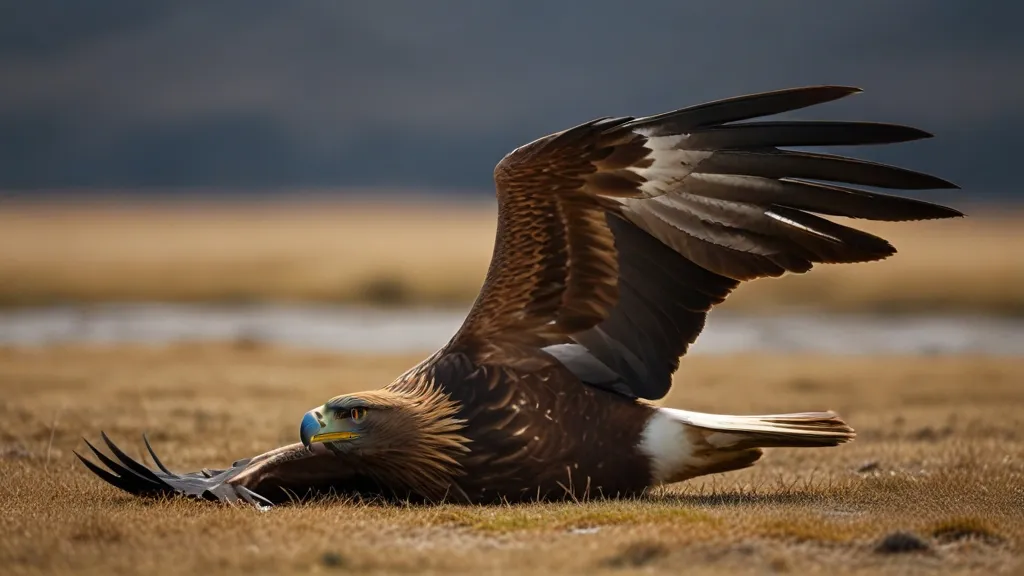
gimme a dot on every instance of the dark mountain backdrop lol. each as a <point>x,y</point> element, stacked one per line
<point>262,94</point>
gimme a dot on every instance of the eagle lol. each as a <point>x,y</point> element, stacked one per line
<point>615,239</point>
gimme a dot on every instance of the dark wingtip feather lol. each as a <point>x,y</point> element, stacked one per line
<point>918,133</point>
<point>109,477</point>
<point>840,87</point>
<point>816,166</point>
<point>740,108</point>
<point>912,210</point>
<point>114,480</point>
<point>776,134</point>
<point>156,460</point>
<point>856,203</point>
<point>128,461</point>
<point>820,91</point>
<point>102,457</point>
<point>938,212</point>
<point>942,184</point>
<point>844,244</point>
<point>130,480</point>
<point>888,133</point>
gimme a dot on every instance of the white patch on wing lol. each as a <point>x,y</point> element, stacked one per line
<point>670,164</point>
<point>664,441</point>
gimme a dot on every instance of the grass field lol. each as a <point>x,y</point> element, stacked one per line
<point>432,254</point>
<point>939,457</point>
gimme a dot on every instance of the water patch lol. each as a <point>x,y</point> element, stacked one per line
<point>413,330</point>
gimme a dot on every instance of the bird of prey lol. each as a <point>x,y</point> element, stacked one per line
<point>615,238</point>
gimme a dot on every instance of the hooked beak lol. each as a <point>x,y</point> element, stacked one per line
<point>313,429</point>
<point>310,426</point>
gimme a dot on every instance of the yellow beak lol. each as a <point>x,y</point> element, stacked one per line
<point>333,436</point>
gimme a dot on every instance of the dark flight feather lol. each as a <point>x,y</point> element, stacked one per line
<point>740,108</point>
<point>817,197</point>
<point>800,133</point>
<point>793,164</point>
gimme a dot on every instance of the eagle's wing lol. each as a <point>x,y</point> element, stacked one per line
<point>285,474</point>
<point>617,236</point>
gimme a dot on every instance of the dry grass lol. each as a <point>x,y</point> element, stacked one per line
<point>429,253</point>
<point>939,458</point>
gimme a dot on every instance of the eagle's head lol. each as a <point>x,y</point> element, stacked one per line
<point>410,438</point>
<point>365,423</point>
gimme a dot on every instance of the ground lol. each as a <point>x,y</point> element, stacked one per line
<point>933,483</point>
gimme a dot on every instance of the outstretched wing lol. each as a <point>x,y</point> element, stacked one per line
<point>616,237</point>
<point>284,474</point>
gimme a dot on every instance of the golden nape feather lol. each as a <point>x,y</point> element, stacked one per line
<point>615,239</point>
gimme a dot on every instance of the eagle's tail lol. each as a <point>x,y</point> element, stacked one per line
<point>684,444</point>
<point>802,429</point>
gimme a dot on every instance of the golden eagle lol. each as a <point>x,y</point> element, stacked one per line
<point>615,239</point>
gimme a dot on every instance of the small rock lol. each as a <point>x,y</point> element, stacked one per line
<point>901,543</point>
<point>866,467</point>
<point>332,560</point>
<point>636,555</point>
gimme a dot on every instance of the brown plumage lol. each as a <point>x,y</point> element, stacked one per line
<point>615,239</point>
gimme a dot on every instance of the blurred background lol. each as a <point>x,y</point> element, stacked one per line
<point>320,172</point>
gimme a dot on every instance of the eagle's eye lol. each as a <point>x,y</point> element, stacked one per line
<point>357,414</point>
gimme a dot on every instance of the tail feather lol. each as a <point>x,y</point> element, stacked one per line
<point>799,430</point>
<point>683,444</point>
